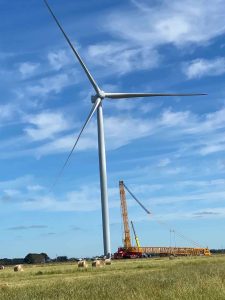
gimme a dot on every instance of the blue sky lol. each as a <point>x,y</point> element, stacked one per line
<point>169,151</point>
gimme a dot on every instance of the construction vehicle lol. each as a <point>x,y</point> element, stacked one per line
<point>129,251</point>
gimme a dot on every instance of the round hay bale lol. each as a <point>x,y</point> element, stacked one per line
<point>97,264</point>
<point>18,268</point>
<point>2,267</point>
<point>108,261</point>
<point>82,264</point>
<point>4,286</point>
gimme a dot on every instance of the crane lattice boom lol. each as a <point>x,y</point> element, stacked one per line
<point>127,239</point>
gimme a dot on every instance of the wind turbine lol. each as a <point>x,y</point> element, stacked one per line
<point>97,100</point>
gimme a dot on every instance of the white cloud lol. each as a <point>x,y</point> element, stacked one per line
<point>218,183</point>
<point>221,164</point>
<point>27,69</point>
<point>209,194</point>
<point>121,131</point>
<point>203,67</point>
<point>209,149</point>
<point>164,162</point>
<point>183,127</point>
<point>215,119</point>
<point>122,105</point>
<point>122,58</point>
<point>140,30</point>
<point>138,105</point>
<point>128,130</point>
<point>132,128</point>
<point>146,108</point>
<point>65,144</point>
<point>11,192</point>
<point>46,125</point>
<point>41,88</point>
<point>175,22</point>
<point>203,144</point>
<point>12,189</point>
<point>14,183</point>
<point>207,197</point>
<point>188,214</point>
<point>170,118</point>
<point>53,84</point>
<point>35,188</point>
<point>7,111</point>
<point>174,170</point>
<point>86,198</point>
<point>207,123</point>
<point>58,59</point>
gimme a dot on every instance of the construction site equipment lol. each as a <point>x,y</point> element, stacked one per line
<point>135,235</point>
<point>129,251</point>
<point>127,239</point>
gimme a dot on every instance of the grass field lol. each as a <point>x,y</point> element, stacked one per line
<point>180,278</point>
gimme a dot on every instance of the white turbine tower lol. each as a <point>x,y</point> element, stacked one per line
<point>97,105</point>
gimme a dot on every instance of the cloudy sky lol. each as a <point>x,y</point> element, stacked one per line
<point>169,151</point>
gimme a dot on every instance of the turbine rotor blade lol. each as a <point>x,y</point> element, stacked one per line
<point>91,79</point>
<point>140,95</point>
<point>94,108</point>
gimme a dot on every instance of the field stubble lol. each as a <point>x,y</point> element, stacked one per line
<point>181,278</point>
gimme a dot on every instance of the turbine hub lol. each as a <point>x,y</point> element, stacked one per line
<point>101,95</point>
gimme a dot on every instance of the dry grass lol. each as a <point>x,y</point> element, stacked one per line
<point>186,278</point>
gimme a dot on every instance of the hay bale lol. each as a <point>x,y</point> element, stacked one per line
<point>108,261</point>
<point>4,286</point>
<point>97,263</point>
<point>82,264</point>
<point>18,268</point>
<point>2,267</point>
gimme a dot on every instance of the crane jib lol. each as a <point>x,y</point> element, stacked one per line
<point>145,209</point>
